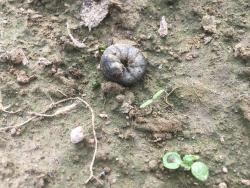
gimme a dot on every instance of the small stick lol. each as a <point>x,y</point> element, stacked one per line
<point>10,112</point>
<point>95,138</point>
<point>51,106</point>
<point>166,98</point>
<point>4,108</point>
<point>76,42</point>
<point>42,114</point>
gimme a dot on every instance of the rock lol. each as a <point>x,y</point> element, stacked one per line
<point>103,116</point>
<point>76,135</point>
<point>209,24</point>
<point>223,185</point>
<point>245,182</point>
<point>224,169</point>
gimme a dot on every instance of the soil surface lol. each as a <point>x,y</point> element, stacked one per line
<point>203,63</point>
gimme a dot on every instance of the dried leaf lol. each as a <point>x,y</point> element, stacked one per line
<point>93,12</point>
<point>163,30</point>
<point>75,41</point>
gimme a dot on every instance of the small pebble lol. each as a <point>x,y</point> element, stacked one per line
<point>120,98</point>
<point>222,185</point>
<point>224,169</point>
<point>76,135</point>
<point>153,165</point>
<point>207,40</point>
<point>13,132</point>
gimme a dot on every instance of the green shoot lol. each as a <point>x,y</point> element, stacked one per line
<point>102,48</point>
<point>172,160</point>
<point>153,99</point>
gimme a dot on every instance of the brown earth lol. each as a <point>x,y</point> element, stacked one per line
<point>204,58</point>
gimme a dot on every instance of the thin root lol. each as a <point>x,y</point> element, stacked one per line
<point>5,108</point>
<point>170,93</point>
<point>58,112</point>
<point>75,41</point>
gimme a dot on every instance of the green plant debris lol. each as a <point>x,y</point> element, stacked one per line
<point>102,47</point>
<point>172,160</point>
<point>95,84</point>
<point>153,99</point>
<point>200,171</point>
<point>158,94</point>
<point>146,103</point>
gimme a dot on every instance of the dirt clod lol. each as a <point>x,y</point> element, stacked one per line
<point>23,78</point>
<point>242,49</point>
<point>209,23</point>
<point>111,88</point>
<point>171,125</point>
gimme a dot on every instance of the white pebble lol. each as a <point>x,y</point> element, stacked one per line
<point>223,185</point>
<point>76,135</point>
<point>224,169</point>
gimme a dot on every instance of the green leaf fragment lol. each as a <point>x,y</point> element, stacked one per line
<point>102,47</point>
<point>190,159</point>
<point>146,103</point>
<point>200,171</point>
<point>158,94</point>
<point>171,160</point>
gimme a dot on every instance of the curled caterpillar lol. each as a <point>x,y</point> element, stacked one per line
<point>123,64</point>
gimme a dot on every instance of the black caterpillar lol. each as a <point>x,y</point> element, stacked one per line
<point>123,64</point>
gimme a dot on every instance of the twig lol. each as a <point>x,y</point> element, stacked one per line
<point>58,112</point>
<point>75,41</point>
<point>58,90</point>
<point>170,93</point>
<point>10,112</point>
<point>94,134</point>
<point>4,108</point>
<point>51,106</point>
